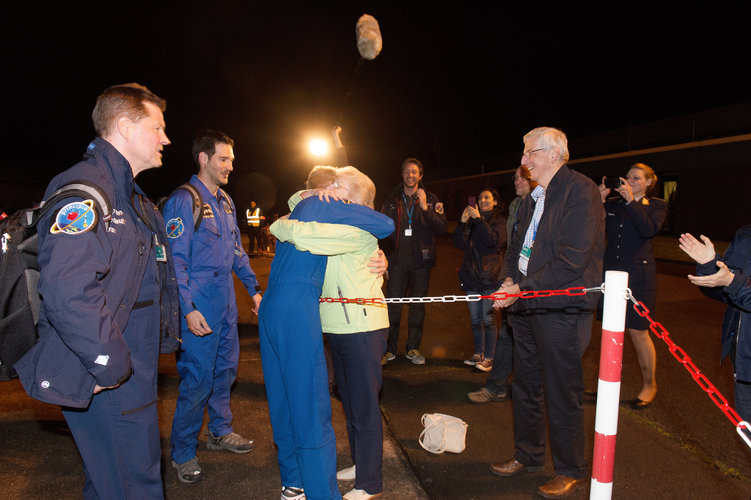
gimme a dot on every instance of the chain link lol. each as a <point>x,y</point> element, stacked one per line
<point>657,328</point>
<point>701,380</point>
<point>529,294</point>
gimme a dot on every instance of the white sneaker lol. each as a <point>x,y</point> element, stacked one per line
<point>476,358</point>
<point>347,474</point>
<point>289,493</point>
<point>415,356</point>
<point>356,494</point>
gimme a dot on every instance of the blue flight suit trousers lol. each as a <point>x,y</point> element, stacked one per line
<point>294,370</point>
<point>208,367</point>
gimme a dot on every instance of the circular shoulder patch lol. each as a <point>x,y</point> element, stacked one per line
<point>439,208</point>
<point>75,218</point>
<point>175,227</point>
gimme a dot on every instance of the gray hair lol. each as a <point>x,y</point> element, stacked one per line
<point>550,138</point>
<point>361,188</point>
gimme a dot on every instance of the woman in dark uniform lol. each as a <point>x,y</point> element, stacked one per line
<point>633,218</point>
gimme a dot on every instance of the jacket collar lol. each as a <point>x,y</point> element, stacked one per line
<point>560,177</point>
<point>119,167</point>
<point>205,193</point>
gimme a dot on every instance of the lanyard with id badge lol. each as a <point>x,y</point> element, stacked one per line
<point>529,239</point>
<point>524,254</point>
<point>408,229</point>
<point>161,252</point>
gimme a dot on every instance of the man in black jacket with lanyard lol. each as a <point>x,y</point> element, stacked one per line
<point>558,245</point>
<point>419,218</point>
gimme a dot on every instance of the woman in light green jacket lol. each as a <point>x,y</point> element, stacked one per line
<point>356,330</point>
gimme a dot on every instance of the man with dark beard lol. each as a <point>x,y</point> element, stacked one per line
<point>205,258</point>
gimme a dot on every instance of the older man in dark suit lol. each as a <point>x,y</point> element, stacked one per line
<point>559,244</point>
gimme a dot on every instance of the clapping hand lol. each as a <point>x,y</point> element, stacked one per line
<point>723,277</point>
<point>700,252</point>
<point>470,212</point>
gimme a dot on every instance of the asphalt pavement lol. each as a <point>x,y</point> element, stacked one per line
<point>680,447</point>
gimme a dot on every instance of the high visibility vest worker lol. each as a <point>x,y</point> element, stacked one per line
<point>253,216</point>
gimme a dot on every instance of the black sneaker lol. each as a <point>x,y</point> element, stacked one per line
<point>188,472</point>
<point>485,396</point>
<point>231,442</point>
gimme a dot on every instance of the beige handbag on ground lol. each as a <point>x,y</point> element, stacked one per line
<point>443,433</point>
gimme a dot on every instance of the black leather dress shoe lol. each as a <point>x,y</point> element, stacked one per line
<point>512,468</point>
<point>561,486</point>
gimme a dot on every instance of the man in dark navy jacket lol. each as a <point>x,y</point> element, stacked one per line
<point>728,279</point>
<point>559,244</point>
<point>107,286</point>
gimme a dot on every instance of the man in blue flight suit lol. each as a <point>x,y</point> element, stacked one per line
<point>204,261</point>
<point>107,287</point>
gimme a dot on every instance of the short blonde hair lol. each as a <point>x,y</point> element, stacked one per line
<point>361,189</point>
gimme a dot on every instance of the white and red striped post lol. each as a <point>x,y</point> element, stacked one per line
<point>609,384</point>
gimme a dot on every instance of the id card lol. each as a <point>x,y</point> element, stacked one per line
<point>524,259</point>
<point>408,231</point>
<point>161,253</point>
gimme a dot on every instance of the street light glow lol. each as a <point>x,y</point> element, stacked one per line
<point>318,147</point>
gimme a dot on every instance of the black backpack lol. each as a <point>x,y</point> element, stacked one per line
<point>19,273</point>
<point>197,203</point>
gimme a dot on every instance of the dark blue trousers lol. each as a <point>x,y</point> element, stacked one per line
<point>118,434</point>
<point>742,391</point>
<point>121,453</point>
<point>357,370</point>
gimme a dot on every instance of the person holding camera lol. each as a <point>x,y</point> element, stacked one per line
<point>632,220</point>
<point>481,233</point>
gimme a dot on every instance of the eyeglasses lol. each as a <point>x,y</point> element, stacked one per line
<point>517,177</point>
<point>528,154</point>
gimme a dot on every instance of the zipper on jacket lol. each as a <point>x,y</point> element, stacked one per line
<point>346,316</point>
<point>737,341</point>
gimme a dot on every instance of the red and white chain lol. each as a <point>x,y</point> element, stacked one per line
<point>657,328</point>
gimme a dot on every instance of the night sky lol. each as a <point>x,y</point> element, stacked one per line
<point>453,86</point>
